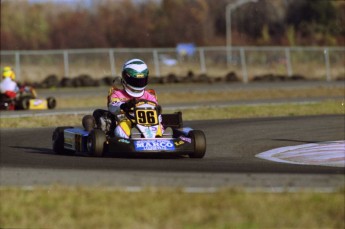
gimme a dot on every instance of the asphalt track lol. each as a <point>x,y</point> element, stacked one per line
<point>27,159</point>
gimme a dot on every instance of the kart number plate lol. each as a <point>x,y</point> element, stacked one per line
<point>149,145</point>
<point>146,117</point>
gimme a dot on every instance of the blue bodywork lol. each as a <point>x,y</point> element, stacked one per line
<point>75,139</point>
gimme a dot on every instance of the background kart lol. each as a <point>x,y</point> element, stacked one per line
<point>95,142</point>
<point>26,100</point>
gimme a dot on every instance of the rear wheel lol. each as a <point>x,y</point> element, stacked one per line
<point>199,139</point>
<point>6,103</point>
<point>58,140</point>
<point>88,122</point>
<point>51,102</point>
<point>95,142</point>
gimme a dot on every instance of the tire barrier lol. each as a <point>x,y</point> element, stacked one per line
<point>86,80</point>
<point>272,77</point>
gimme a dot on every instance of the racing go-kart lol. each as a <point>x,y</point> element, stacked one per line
<point>26,99</point>
<point>144,115</point>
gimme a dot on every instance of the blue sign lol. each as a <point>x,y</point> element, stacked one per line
<point>185,49</point>
<point>149,145</point>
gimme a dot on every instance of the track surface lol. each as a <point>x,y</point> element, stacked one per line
<point>27,158</point>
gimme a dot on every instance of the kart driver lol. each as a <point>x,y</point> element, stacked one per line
<point>134,80</point>
<point>8,86</point>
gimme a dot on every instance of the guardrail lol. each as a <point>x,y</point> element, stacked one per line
<point>326,63</point>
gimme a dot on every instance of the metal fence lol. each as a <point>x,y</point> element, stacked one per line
<point>325,63</point>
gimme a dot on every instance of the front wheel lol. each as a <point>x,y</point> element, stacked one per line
<point>199,139</point>
<point>24,103</point>
<point>95,142</point>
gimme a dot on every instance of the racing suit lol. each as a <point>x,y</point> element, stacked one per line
<point>116,97</point>
<point>8,92</point>
<point>9,87</point>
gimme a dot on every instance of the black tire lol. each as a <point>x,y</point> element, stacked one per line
<point>95,142</point>
<point>51,102</point>
<point>199,139</point>
<point>6,102</point>
<point>24,103</point>
<point>88,122</point>
<point>58,140</point>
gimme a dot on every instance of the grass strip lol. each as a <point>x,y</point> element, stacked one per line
<point>210,96</point>
<point>204,113</point>
<point>87,207</point>
<point>273,110</point>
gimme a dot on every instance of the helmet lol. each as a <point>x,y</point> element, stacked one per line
<point>135,75</point>
<point>8,72</point>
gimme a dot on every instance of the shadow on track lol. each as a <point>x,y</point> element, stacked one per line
<point>34,149</point>
<point>49,151</point>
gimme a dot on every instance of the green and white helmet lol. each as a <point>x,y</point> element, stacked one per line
<point>135,75</point>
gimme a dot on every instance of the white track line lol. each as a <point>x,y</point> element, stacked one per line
<point>325,154</point>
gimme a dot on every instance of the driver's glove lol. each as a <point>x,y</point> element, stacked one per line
<point>128,105</point>
<point>125,106</point>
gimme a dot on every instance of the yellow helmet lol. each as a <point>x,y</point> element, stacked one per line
<point>8,72</point>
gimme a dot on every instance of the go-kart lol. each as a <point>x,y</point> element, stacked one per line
<point>26,99</point>
<point>144,115</point>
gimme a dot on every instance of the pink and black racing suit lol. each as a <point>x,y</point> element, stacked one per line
<point>116,97</point>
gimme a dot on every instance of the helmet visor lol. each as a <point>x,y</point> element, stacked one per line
<point>136,82</point>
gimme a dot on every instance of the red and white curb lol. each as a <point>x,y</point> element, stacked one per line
<point>324,153</point>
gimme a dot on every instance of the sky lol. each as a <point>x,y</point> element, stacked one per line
<point>84,3</point>
<point>62,1</point>
<point>72,2</point>
<point>87,2</point>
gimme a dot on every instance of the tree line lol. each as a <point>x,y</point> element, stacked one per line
<point>165,23</point>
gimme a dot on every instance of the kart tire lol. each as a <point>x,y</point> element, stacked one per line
<point>95,142</point>
<point>88,122</point>
<point>24,103</point>
<point>51,102</point>
<point>6,103</point>
<point>58,140</point>
<point>199,139</point>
